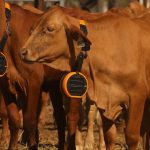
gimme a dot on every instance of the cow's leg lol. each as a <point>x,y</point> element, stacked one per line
<point>147,141</point>
<point>136,108</point>
<point>5,129</point>
<point>134,119</point>
<point>109,130</point>
<point>5,132</point>
<point>44,101</point>
<point>14,117</point>
<point>145,130</point>
<point>79,139</point>
<point>83,116</point>
<point>102,145</point>
<point>146,138</point>
<point>30,114</point>
<point>41,119</point>
<point>145,2</point>
<point>110,136</point>
<point>73,118</point>
<point>89,142</point>
<point>59,113</point>
<point>14,125</point>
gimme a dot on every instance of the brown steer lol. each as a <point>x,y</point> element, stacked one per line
<point>27,77</point>
<point>117,65</point>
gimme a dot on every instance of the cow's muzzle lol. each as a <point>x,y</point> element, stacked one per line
<point>26,56</point>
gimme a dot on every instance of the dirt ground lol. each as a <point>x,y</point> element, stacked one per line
<point>48,136</point>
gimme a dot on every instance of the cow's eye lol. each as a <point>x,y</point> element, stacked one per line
<point>50,28</point>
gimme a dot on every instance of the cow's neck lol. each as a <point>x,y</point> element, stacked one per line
<point>73,52</point>
<point>62,64</point>
<point>65,63</point>
<point>2,17</point>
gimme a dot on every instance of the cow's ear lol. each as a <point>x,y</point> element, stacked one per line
<point>77,34</point>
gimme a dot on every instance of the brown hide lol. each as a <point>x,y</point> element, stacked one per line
<point>69,27</point>
<point>134,9</point>
<point>29,78</point>
<point>32,9</point>
<point>21,22</point>
<point>2,16</point>
<point>10,86</point>
<point>117,64</point>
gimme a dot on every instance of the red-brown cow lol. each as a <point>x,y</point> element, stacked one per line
<point>27,77</point>
<point>117,65</point>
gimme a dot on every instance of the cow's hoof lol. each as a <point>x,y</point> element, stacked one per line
<point>34,147</point>
<point>65,146</point>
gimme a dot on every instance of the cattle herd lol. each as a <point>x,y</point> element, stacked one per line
<point>43,47</point>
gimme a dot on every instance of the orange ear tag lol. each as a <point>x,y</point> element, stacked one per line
<point>7,5</point>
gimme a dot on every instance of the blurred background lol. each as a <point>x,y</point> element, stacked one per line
<point>91,5</point>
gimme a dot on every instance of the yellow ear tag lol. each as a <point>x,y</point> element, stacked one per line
<point>82,22</point>
<point>7,5</point>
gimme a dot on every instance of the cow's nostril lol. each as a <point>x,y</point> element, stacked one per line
<point>23,53</point>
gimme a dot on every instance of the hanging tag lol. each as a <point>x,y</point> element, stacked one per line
<point>74,85</point>
<point>3,64</point>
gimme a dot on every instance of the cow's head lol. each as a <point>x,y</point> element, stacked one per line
<point>49,38</point>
